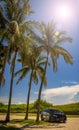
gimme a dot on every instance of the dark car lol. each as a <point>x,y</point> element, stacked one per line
<point>53,115</point>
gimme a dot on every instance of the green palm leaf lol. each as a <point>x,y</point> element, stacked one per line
<point>23,73</point>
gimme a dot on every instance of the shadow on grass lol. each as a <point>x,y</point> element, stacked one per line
<point>41,124</point>
<point>4,126</point>
<point>27,122</point>
<point>8,128</point>
<point>30,123</point>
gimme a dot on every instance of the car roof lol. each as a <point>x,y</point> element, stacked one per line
<point>50,109</point>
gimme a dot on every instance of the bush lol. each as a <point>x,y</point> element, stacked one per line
<point>43,105</point>
<point>1,104</point>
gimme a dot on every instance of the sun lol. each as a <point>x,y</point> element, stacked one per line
<point>63,12</point>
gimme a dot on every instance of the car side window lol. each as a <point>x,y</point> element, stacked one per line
<point>46,110</point>
<point>57,112</point>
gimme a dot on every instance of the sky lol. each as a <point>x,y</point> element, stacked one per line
<point>62,86</point>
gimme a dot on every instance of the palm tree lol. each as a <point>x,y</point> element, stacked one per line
<point>50,41</point>
<point>32,63</point>
<point>14,22</point>
<point>3,23</point>
<point>17,28</point>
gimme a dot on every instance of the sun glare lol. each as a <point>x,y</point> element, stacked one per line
<point>63,12</point>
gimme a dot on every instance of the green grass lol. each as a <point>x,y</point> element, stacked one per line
<point>68,107</point>
<point>73,116</point>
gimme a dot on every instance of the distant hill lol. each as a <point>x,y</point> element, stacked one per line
<point>69,108</point>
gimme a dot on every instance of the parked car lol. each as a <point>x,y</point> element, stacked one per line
<point>53,115</point>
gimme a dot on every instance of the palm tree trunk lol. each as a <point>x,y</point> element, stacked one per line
<point>5,60</point>
<point>11,86</point>
<point>40,91</point>
<point>28,97</point>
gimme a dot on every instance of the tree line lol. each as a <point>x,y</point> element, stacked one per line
<point>30,43</point>
<point>20,108</point>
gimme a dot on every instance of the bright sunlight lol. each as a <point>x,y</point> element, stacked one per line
<point>63,12</point>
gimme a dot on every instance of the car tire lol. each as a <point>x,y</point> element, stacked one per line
<point>42,119</point>
<point>45,117</point>
<point>64,121</point>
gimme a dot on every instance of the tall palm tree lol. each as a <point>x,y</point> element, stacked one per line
<point>32,63</point>
<point>15,23</point>
<point>3,23</point>
<point>17,27</point>
<point>50,43</point>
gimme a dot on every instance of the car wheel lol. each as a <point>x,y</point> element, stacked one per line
<point>42,118</point>
<point>51,119</point>
<point>64,121</point>
<point>46,117</point>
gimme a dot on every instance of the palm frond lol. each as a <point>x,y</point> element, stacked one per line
<point>23,73</point>
<point>63,40</point>
<point>61,51</point>
<point>3,81</point>
<point>22,70</point>
<point>35,78</point>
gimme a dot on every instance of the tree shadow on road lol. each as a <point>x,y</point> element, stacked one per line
<point>5,126</point>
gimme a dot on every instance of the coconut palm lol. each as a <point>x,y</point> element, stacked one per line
<point>33,64</point>
<point>17,27</point>
<point>14,19</point>
<point>50,43</point>
<point>3,23</point>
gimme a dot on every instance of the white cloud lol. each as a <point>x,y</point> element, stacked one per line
<point>32,101</point>
<point>70,82</point>
<point>14,100</point>
<point>61,95</point>
<point>4,100</point>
